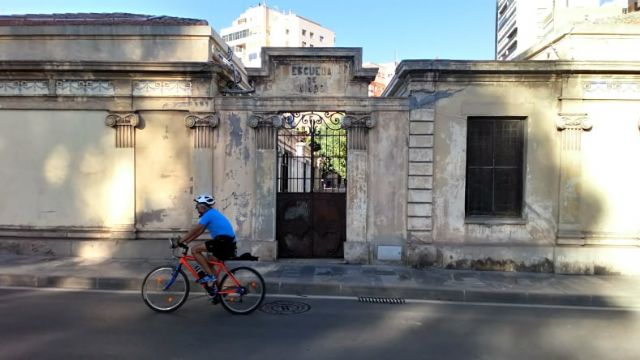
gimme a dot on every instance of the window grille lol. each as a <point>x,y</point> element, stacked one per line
<point>495,151</point>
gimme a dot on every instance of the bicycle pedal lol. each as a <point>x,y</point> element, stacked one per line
<point>215,300</point>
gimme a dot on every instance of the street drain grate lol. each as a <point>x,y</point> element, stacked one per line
<point>380,300</point>
<point>285,308</point>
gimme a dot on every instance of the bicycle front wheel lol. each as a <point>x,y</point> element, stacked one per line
<point>164,289</point>
<point>243,291</point>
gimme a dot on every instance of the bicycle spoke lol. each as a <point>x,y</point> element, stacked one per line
<point>245,290</point>
<point>164,290</point>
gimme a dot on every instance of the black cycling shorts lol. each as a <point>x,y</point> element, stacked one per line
<point>222,247</point>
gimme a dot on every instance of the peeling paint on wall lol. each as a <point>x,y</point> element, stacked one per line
<point>241,204</point>
<point>235,134</point>
<point>420,100</point>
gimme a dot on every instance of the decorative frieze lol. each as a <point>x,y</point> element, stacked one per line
<point>357,126</point>
<point>125,124</point>
<point>85,88</point>
<point>571,126</point>
<point>202,125</point>
<point>162,88</point>
<point>266,126</point>
<point>24,88</point>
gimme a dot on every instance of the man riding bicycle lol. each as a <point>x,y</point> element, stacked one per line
<point>223,239</point>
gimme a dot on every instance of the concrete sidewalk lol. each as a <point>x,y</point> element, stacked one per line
<point>334,278</point>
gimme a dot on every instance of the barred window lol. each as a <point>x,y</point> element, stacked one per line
<point>236,35</point>
<point>495,151</point>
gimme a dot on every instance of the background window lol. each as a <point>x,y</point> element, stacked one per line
<point>495,150</point>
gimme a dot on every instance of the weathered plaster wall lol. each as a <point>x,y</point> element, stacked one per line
<point>60,168</point>
<point>536,102</point>
<point>164,173</point>
<point>611,204</point>
<point>387,179</point>
<point>234,171</point>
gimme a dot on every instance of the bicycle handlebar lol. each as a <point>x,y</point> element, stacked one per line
<point>175,242</point>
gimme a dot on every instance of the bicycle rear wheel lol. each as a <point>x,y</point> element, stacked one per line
<point>247,295</point>
<point>164,290</point>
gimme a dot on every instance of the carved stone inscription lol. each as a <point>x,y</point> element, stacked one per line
<point>311,78</point>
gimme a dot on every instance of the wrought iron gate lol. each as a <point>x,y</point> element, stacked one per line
<point>312,183</point>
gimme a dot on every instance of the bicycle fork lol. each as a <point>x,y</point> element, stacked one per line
<point>173,277</point>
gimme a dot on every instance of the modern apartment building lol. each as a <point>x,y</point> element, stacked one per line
<point>261,26</point>
<point>521,24</point>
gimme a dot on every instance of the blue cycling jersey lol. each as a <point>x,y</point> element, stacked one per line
<point>216,223</point>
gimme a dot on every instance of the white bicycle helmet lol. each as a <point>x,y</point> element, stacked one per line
<point>205,199</point>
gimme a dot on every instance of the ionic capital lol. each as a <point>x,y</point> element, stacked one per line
<point>265,119</point>
<point>122,119</point>
<point>358,121</point>
<point>202,120</point>
<point>125,124</point>
<point>573,122</point>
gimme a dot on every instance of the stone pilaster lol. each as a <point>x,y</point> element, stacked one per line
<point>266,126</point>
<point>202,125</point>
<point>356,248</point>
<point>124,124</point>
<point>571,127</point>
<point>122,224</point>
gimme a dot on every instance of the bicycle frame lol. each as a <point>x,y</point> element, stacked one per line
<point>218,268</point>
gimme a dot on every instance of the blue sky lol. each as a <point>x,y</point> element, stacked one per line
<point>386,30</point>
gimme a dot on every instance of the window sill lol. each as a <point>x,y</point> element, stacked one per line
<point>494,221</point>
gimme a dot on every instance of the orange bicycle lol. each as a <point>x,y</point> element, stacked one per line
<point>166,288</point>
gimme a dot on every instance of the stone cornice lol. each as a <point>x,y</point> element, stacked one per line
<point>108,31</point>
<point>83,66</point>
<point>348,104</point>
<point>428,70</point>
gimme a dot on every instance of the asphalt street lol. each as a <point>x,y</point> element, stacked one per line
<point>55,324</point>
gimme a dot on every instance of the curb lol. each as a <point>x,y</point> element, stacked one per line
<point>348,290</point>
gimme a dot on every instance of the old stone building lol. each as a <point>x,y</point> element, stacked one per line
<point>110,123</point>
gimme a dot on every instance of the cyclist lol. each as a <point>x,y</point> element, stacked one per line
<point>223,240</point>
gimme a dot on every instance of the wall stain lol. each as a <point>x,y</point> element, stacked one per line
<point>544,266</point>
<point>147,217</point>
<point>235,134</point>
<point>420,100</point>
<point>239,202</point>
